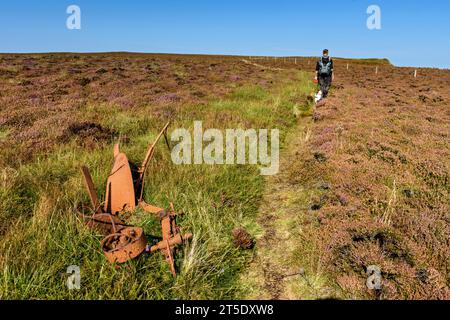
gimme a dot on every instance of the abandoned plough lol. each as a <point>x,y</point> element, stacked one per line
<point>123,195</point>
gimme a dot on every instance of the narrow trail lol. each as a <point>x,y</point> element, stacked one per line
<point>271,274</point>
<point>285,264</point>
<point>261,66</point>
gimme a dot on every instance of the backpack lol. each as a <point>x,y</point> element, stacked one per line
<point>325,69</point>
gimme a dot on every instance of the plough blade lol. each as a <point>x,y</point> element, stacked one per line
<point>120,195</point>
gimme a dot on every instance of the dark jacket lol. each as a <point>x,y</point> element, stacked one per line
<point>325,61</point>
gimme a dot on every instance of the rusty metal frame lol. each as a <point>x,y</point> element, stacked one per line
<point>171,237</point>
<point>124,242</point>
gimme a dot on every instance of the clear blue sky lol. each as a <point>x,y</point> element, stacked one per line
<point>414,33</point>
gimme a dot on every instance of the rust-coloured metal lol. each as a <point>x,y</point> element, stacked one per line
<point>120,195</point>
<point>123,242</point>
<point>91,189</point>
<point>149,208</point>
<point>174,241</point>
<point>124,245</point>
<point>171,236</point>
<point>148,156</point>
<point>101,221</point>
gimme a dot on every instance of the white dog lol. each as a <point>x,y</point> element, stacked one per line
<point>318,96</point>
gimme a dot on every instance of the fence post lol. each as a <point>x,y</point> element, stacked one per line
<point>347,66</point>
<point>376,70</point>
<point>415,73</point>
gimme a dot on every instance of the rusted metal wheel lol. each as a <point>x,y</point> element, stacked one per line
<point>124,245</point>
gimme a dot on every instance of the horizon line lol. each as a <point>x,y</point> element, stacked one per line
<point>208,54</point>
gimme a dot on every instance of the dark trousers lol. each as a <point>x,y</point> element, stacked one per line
<point>325,84</point>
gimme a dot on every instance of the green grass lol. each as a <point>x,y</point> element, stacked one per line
<point>3,134</point>
<point>42,233</point>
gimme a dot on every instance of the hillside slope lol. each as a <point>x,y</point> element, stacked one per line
<point>365,184</point>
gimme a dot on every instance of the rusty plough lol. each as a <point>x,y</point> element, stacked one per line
<point>124,192</point>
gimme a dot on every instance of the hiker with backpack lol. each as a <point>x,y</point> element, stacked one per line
<point>324,74</point>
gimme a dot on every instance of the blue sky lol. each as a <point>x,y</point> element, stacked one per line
<point>414,33</point>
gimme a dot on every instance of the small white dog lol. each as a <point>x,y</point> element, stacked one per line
<point>318,96</point>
